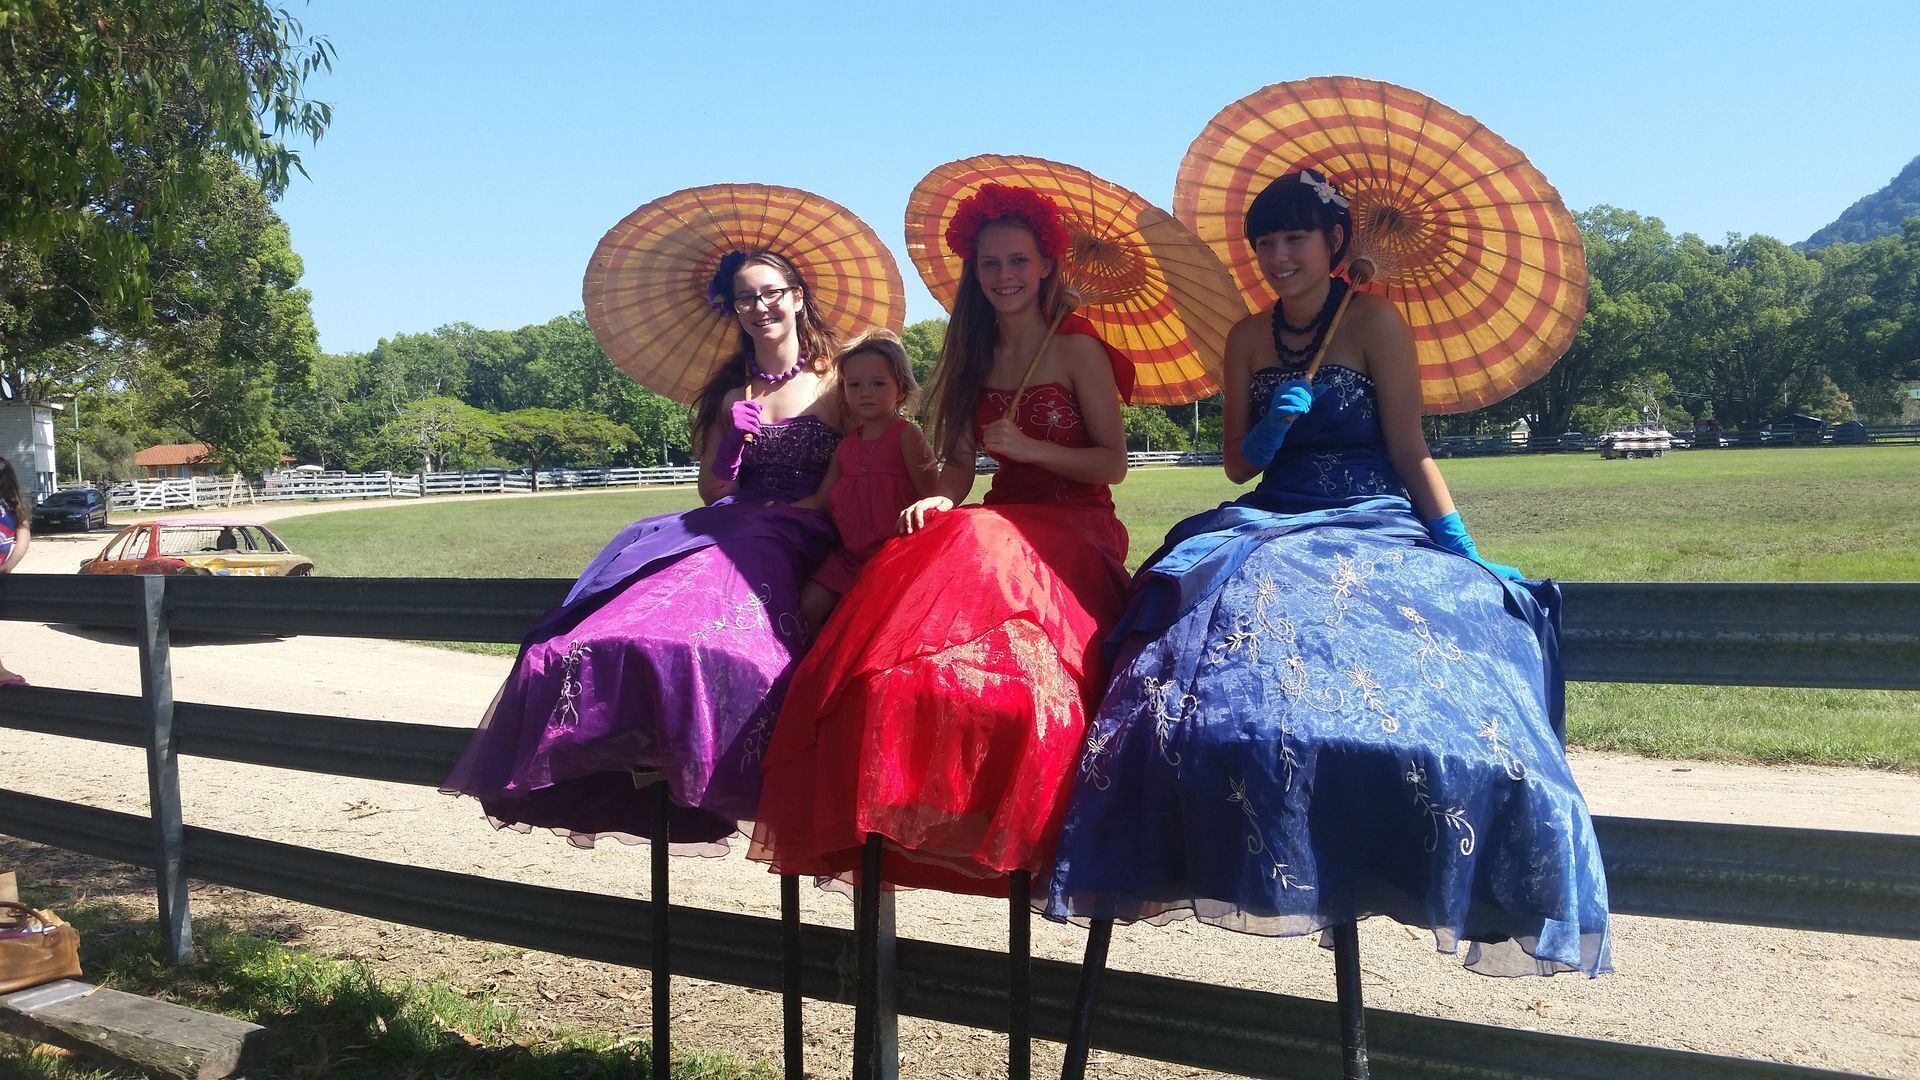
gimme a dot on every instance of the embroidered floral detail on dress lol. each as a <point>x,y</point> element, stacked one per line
<point>1430,648</point>
<point>1490,731</point>
<point>1360,677</point>
<point>1454,818</point>
<point>1092,759</point>
<point>1155,695</point>
<point>749,613</point>
<point>1257,840</point>
<point>567,709</point>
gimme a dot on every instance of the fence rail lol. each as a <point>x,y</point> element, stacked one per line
<point>1738,634</point>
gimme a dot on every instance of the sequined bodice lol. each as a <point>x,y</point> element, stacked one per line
<point>788,458</point>
<point>1335,453</point>
<point>1051,413</point>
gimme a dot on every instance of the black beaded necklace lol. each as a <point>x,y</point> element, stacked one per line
<point>1318,325</point>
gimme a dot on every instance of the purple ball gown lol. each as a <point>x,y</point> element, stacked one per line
<point>671,654</point>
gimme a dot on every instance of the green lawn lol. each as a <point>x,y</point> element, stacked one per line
<point>1814,514</point>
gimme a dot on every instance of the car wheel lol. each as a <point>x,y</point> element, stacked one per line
<point>302,571</point>
<point>1629,455</point>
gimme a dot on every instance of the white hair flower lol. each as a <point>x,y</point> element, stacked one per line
<point>1323,188</point>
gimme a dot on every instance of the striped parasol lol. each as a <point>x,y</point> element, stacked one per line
<point>1467,238</point>
<point>646,286</point>
<point>1150,287</point>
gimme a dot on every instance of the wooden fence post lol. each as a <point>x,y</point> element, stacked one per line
<point>163,768</point>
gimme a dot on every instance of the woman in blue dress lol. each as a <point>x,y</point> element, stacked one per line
<point>1325,704</point>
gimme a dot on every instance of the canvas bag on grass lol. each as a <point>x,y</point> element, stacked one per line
<point>35,946</point>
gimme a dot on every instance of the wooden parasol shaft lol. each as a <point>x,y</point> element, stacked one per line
<point>1359,275</point>
<point>1034,364</point>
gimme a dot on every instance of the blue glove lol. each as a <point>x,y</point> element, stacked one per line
<point>1449,533</point>
<point>1291,400</point>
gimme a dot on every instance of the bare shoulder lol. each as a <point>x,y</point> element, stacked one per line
<point>1375,314</point>
<point>1250,331</point>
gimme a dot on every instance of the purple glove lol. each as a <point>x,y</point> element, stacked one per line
<point>742,420</point>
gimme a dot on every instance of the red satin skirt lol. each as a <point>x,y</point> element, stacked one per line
<point>946,700</point>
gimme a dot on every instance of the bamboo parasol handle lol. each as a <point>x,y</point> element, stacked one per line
<point>1358,274</point>
<point>1034,364</point>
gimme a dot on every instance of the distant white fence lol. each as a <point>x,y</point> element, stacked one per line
<point>203,492</point>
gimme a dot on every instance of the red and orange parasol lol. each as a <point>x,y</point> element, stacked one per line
<point>1465,236</point>
<point>646,286</point>
<point>1150,287</point>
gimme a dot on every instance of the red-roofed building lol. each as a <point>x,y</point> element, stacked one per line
<point>176,459</point>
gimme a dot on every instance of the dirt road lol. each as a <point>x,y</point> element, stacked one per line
<point>1815,999</point>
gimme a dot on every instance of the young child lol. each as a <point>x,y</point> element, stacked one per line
<point>15,534</point>
<point>883,465</point>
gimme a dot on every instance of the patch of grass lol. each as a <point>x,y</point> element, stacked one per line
<point>1808,514</point>
<point>338,1018</point>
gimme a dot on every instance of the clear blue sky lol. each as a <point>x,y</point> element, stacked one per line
<point>480,149</point>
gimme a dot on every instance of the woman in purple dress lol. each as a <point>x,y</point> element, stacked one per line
<point>672,652</point>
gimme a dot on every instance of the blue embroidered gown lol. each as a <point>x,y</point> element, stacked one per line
<point>1317,715</point>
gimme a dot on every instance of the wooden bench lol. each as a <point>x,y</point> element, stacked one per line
<point>127,1031</point>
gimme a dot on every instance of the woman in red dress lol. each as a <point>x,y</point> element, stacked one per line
<point>943,706</point>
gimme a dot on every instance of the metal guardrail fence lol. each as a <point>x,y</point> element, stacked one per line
<point>1846,635</point>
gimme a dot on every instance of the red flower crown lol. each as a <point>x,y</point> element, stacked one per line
<point>995,201</point>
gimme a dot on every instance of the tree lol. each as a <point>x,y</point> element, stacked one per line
<point>1740,327</point>
<point>439,431</point>
<point>1150,426</point>
<point>229,325</point>
<point>923,341</point>
<point>119,114</point>
<point>536,436</point>
<point>1630,268</point>
<point>1865,315</point>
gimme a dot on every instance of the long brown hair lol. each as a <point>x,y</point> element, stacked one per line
<point>966,356</point>
<point>10,490</point>
<point>818,343</point>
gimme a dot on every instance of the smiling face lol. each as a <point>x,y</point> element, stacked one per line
<point>1297,262</point>
<point>766,321</point>
<point>869,386</point>
<point>1009,266</point>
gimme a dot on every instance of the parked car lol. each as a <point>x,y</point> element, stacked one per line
<point>75,508</point>
<point>1707,434</point>
<point>1799,429</point>
<point>198,546</point>
<point>1851,433</point>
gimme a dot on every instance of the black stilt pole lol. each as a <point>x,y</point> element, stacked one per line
<point>1353,1019</point>
<point>794,1049</point>
<point>662,960</point>
<point>1092,966</point>
<point>1020,989</point>
<point>866,944</point>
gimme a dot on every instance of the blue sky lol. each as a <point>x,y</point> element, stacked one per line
<point>479,150</point>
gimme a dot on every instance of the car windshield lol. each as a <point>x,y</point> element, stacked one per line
<point>66,498</point>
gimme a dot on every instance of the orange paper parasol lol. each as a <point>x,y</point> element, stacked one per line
<point>1146,282</point>
<point>646,287</point>
<point>1466,236</point>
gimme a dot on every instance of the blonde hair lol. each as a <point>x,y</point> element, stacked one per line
<point>886,345</point>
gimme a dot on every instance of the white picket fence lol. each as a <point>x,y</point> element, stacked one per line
<point>203,492</point>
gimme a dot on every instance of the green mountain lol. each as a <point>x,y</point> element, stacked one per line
<point>1877,215</point>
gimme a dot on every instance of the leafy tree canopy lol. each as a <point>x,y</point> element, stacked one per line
<point>118,113</point>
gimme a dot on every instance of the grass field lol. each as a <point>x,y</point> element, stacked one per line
<point>1815,514</point>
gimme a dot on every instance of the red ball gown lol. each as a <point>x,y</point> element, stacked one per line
<point>945,703</point>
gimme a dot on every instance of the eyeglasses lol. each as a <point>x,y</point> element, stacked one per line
<point>770,297</point>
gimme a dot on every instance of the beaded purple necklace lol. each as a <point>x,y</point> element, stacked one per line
<point>775,380</point>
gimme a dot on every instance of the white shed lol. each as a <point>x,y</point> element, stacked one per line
<point>26,439</point>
